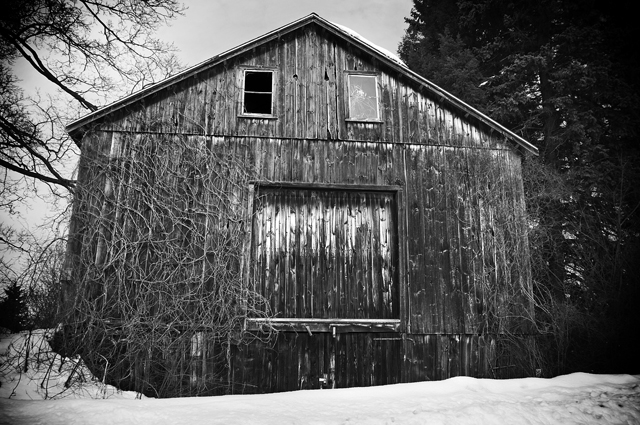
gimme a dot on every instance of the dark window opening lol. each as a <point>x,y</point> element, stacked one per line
<point>258,92</point>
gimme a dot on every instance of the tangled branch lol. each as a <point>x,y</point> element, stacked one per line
<point>160,288</point>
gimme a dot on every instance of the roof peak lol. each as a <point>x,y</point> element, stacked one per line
<point>75,128</point>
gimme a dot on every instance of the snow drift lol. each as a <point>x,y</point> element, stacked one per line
<point>56,390</point>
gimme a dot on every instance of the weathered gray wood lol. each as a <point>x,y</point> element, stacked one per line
<point>376,226</point>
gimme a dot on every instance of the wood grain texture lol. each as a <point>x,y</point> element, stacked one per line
<point>419,217</point>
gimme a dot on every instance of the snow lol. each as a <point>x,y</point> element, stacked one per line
<point>578,398</point>
<point>47,375</point>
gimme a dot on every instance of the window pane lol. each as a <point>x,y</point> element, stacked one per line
<point>257,103</point>
<point>257,92</point>
<point>257,81</point>
<point>363,99</point>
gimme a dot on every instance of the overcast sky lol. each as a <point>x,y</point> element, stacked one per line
<point>210,27</point>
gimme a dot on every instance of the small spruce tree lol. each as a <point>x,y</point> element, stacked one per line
<point>14,314</point>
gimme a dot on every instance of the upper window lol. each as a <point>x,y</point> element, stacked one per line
<point>258,92</point>
<point>363,97</point>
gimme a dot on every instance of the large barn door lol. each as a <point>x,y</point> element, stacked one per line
<point>326,260</point>
<point>326,254</point>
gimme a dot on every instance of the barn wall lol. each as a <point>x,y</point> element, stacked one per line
<point>298,360</point>
<point>455,201</point>
<point>462,261</point>
<point>311,100</point>
<point>461,242</point>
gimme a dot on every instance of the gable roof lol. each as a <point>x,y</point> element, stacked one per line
<point>75,128</point>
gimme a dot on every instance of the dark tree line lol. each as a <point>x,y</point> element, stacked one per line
<point>562,74</point>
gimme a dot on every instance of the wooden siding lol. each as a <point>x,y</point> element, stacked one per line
<point>326,253</point>
<point>457,211</point>
<point>301,361</point>
<point>454,241</point>
<point>310,100</point>
<point>456,267</point>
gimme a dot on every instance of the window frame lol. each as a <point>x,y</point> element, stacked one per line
<point>374,75</point>
<point>243,113</point>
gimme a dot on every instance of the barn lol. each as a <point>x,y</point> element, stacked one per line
<point>299,212</point>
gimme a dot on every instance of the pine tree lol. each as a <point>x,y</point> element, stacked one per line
<point>561,73</point>
<point>14,314</point>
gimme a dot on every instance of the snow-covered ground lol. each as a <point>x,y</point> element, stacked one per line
<point>572,399</point>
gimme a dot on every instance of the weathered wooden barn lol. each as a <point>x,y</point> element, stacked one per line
<point>380,219</point>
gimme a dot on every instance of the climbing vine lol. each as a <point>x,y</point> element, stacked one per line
<point>157,296</point>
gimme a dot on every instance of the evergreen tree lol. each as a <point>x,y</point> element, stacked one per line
<point>563,75</point>
<point>14,314</point>
<point>433,47</point>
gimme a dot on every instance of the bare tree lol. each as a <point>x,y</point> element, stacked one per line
<point>38,275</point>
<point>87,51</point>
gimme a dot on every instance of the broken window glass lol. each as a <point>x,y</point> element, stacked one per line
<point>363,97</point>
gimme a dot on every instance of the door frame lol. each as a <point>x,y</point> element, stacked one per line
<point>401,324</point>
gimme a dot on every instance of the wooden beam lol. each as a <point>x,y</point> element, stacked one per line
<point>324,325</point>
<point>329,186</point>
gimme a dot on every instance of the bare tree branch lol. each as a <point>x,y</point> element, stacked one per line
<point>91,51</point>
